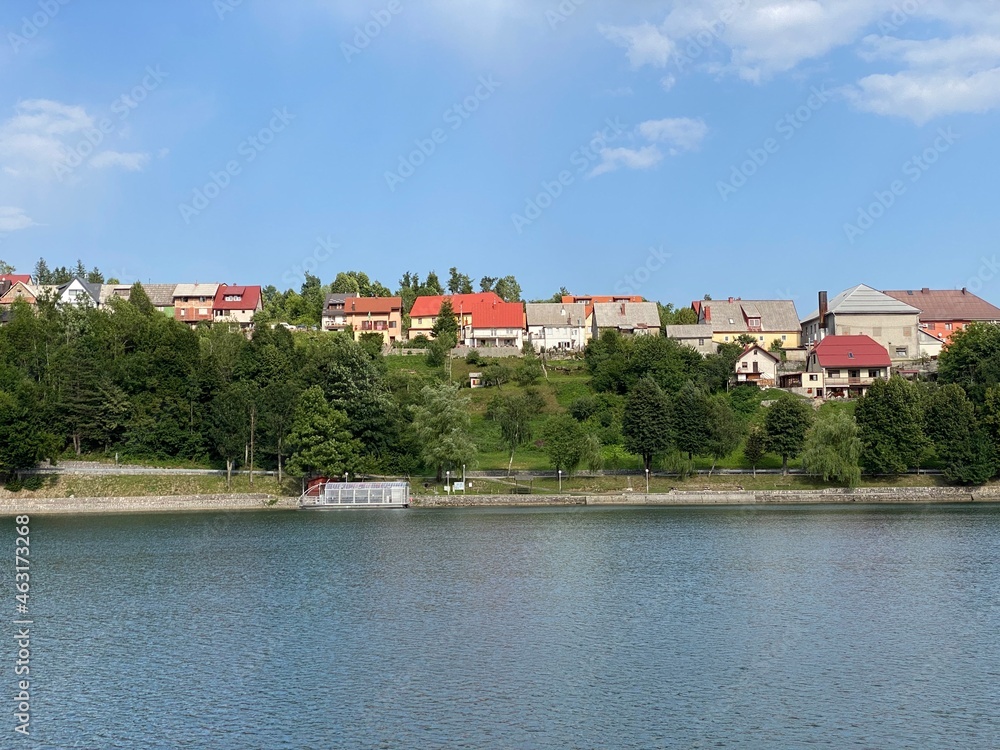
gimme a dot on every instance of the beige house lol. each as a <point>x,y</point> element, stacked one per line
<point>757,366</point>
<point>358,315</point>
<point>626,318</point>
<point>864,311</point>
<point>701,338</point>
<point>557,326</point>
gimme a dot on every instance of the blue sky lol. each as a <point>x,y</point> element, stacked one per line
<point>750,148</point>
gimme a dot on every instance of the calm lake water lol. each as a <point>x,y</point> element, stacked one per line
<point>573,628</point>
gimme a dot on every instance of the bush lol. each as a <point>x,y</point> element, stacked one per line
<point>473,358</point>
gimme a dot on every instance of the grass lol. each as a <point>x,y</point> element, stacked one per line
<point>70,485</point>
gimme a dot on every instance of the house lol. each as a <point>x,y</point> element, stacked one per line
<point>627,318</point>
<point>864,311</point>
<point>846,366</point>
<point>14,278</point>
<point>193,303</point>
<point>701,337</point>
<point>425,310</point>
<point>79,292</point>
<point>945,311</point>
<point>493,325</point>
<point>930,346</point>
<point>335,312</point>
<point>557,326</point>
<point>19,290</point>
<point>381,315</point>
<point>766,320</point>
<point>589,300</point>
<point>161,296</point>
<point>756,365</point>
<point>236,305</point>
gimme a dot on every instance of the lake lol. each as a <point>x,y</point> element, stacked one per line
<point>780,627</point>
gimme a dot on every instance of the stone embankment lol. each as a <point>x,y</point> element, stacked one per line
<point>13,505</point>
<point>872,495</point>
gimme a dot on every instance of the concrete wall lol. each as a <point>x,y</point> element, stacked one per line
<point>165,503</point>
<point>888,330</point>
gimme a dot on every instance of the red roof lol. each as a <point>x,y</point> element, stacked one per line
<point>375,305</point>
<point>498,315</point>
<point>851,351</point>
<point>250,298</point>
<point>429,307</point>
<point>13,278</point>
<point>592,299</point>
<point>947,304</point>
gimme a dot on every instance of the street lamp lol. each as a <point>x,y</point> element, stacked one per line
<point>465,491</point>
<point>647,481</point>
<point>447,482</point>
<point>560,480</point>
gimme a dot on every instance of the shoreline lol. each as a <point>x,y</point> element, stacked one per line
<point>10,506</point>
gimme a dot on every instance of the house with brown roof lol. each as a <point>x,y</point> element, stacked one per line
<point>589,300</point>
<point>766,320</point>
<point>18,290</point>
<point>236,305</point>
<point>699,337</point>
<point>161,296</point>
<point>943,312</point>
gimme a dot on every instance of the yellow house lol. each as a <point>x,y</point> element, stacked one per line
<point>764,320</point>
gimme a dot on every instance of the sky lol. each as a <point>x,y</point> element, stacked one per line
<point>753,148</point>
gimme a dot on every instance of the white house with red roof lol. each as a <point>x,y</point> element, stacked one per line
<point>425,311</point>
<point>236,304</point>
<point>845,366</point>
<point>494,324</point>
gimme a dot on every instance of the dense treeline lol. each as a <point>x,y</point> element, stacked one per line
<point>129,380</point>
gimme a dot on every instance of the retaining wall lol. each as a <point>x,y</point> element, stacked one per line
<point>162,503</point>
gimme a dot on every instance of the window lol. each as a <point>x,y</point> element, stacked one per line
<point>813,378</point>
<point>784,337</point>
<point>947,326</point>
<point>701,342</point>
<point>392,324</point>
<point>183,312</point>
<point>900,351</point>
<point>874,373</point>
<point>727,339</point>
<point>834,373</point>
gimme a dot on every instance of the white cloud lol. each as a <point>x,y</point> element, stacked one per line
<point>13,219</point>
<point>678,134</point>
<point>130,162</point>
<point>681,133</point>
<point>758,39</point>
<point>614,158</point>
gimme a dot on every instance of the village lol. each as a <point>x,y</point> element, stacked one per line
<point>835,351</point>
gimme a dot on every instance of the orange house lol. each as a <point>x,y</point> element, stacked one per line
<point>943,312</point>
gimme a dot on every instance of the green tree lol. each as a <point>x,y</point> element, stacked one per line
<point>972,360</point>
<point>691,414</point>
<point>497,372</point>
<point>833,449</point>
<point>508,289</point>
<point>230,425</point>
<point>25,439</point>
<point>441,427</point>
<point>786,423</point>
<point>755,446</point>
<point>646,423</point>
<point>445,326</point>
<point>563,442</point>
<point>889,421</point>
<point>458,283</point>
<point>528,372</point>
<point>512,414</point>
<point>723,428</point>
<point>319,440</point>
<point>958,438</point>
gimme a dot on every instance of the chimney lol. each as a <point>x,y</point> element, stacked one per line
<point>963,290</point>
<point>925,290</point>
<point>824,309</point>
<point>623,308</point>
<point>708,314</point>
<point>730,300</point>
